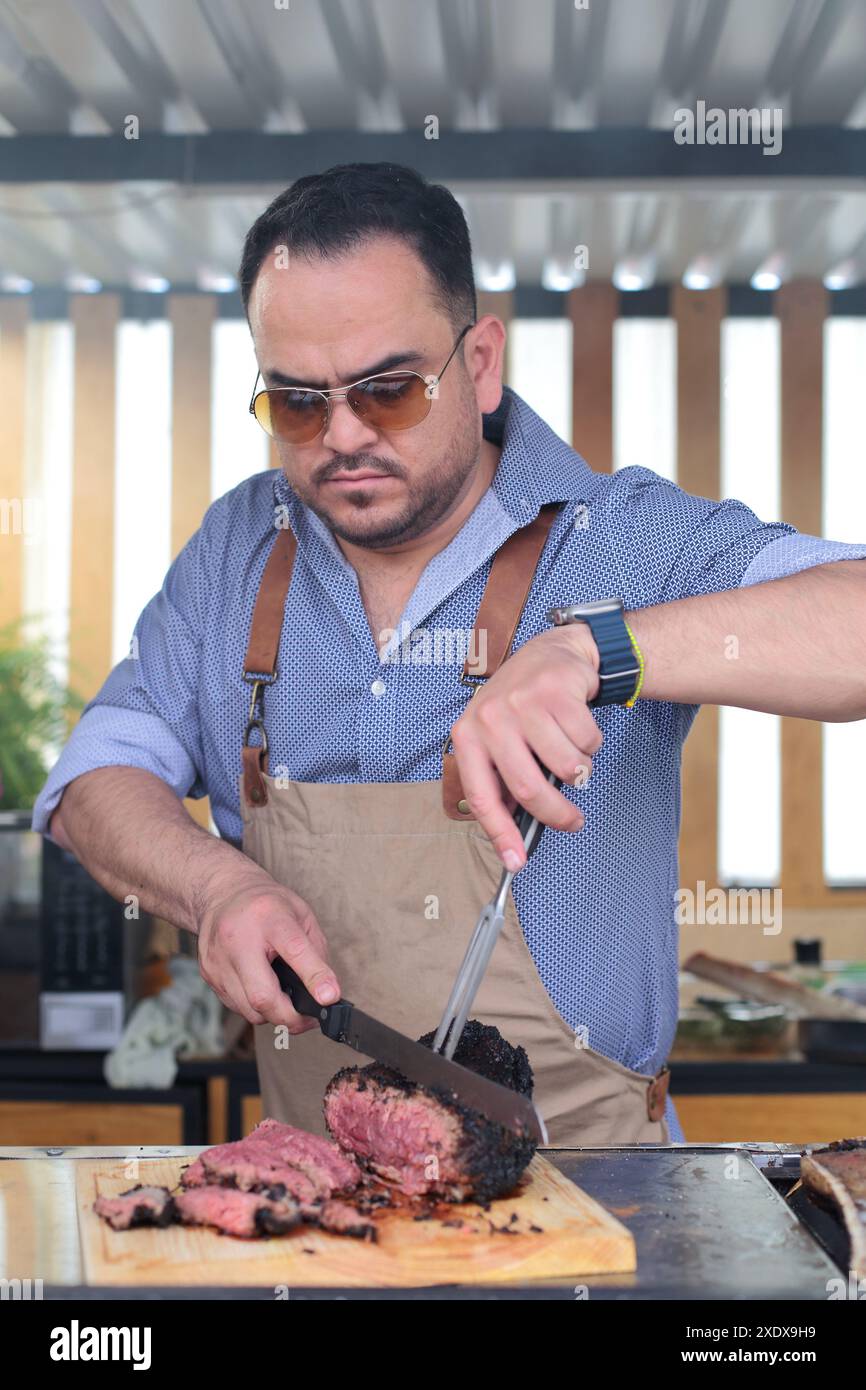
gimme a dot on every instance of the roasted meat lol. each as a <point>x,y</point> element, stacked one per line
<point>310,1167</point>
<point>140,1206</point>
<point>238,1213</point>
<point>837,1175</point>
<point>263,1185</point>
<point>412,1139</point>
<point>423,1141</point>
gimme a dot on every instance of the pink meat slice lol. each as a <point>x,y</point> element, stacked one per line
<point>409,1141</point>
<point>342,1219</point>
<point>307,1165</point>
<point>140,1206</point>
<point>236,1213</point>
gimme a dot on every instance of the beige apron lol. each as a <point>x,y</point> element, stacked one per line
<point>396,874</point>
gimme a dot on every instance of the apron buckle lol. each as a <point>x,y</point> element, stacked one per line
<point>657,1093</point>
<point>256,716</point>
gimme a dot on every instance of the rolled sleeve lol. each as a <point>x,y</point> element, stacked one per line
<point>680,545</point>
<point>791,554</point>
<point>106,736</point>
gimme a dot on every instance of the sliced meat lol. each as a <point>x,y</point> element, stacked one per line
<point>420,1140</point>
<point>140,1206</point>
<point>195,1174</point>
<point>322,1161</point>
<point>342,1219</point>
<point>307,1165</point>
<point>237,1213</point>
<point>837,1175</point>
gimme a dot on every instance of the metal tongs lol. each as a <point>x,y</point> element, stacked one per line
<point>483,940</point>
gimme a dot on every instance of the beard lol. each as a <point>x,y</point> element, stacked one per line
<point>431,499</point>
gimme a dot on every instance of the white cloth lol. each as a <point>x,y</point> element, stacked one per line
<point>184,1019</point>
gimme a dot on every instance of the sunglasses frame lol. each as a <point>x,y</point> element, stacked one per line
<point>341,393</point>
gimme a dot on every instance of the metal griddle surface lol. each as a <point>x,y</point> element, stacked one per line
<point>707,1223</point>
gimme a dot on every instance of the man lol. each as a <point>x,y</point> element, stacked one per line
<point>289,670</point>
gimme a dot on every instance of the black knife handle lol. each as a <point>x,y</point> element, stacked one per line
<point>524,818</point>
<point>333,1019</point>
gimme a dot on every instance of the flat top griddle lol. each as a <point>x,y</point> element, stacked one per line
<point>708,1222</point>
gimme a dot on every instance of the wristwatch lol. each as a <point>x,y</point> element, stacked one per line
<point>620,669</point>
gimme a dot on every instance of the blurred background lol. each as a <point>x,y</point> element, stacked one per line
<point>683,292</point>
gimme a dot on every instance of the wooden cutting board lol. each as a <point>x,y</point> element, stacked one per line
<point>574,1236</point>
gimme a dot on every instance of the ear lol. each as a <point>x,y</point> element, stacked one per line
<point>484,355</point>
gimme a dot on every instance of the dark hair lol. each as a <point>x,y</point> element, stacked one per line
<point>335,211</point>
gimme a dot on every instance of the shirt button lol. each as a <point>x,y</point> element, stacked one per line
<point>378,688</point>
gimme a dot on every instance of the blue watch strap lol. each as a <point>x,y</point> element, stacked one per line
<point>618,671</point>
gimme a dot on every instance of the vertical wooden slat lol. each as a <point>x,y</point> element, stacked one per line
<point>593,311</point>
<point>500,303</point>
<point>94,318</point>
<point>14,317</point>
<point>698,315</point>
<point>191,317</point>
<point>802,308</point>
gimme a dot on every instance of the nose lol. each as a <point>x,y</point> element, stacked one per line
<point>345,433</point>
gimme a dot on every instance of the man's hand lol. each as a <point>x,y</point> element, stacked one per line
<point>535,704</point>
<point>240,934</point>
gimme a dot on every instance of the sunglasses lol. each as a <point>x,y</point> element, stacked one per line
<point>386,401</point>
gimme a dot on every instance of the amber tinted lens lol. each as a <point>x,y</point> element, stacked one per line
<point>392,402</point>
<point>291,415</point>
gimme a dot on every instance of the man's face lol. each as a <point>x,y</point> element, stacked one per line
<point>326,323</point>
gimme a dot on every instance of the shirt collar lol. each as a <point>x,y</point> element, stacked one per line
<point>535,467</point>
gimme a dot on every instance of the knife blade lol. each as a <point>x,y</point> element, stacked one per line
<point>342,1022</point>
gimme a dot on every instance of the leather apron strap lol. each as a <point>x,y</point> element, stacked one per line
<point>499,613</point>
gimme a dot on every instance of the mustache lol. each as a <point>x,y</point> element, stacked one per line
<point>357,463</point>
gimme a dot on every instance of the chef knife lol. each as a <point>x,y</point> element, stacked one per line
<point>344,1023</point>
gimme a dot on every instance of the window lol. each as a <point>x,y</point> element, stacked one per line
<point>142,500</point>
<point>539,369</point>
<point>645,394</point>
<point>750,827</point>
<point>239,446</point>
<point>48,473</point>
<point>844,520</point>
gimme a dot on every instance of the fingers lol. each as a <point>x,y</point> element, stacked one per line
<point>510,756</point>
<point>499,765</point>
<point>236,952</point>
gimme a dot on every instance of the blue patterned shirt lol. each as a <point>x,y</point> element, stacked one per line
<point>597,908</point>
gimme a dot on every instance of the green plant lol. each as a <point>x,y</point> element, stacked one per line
<point>34,713</point>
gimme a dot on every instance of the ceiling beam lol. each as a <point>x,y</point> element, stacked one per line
<point>44,82</point>
<point>579,39</point>
<point>531,301</point>
<point>804,46</point>
<point>256,75</point>
<point>363,65</point>
<point>150,79</point>
<point>467,43</point>
<point>231,158</point>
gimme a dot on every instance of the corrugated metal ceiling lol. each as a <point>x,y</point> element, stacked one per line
<point>198,66</point>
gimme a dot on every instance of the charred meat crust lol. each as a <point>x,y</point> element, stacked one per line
<point>487,1158</point>
<point>138,1206</point>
